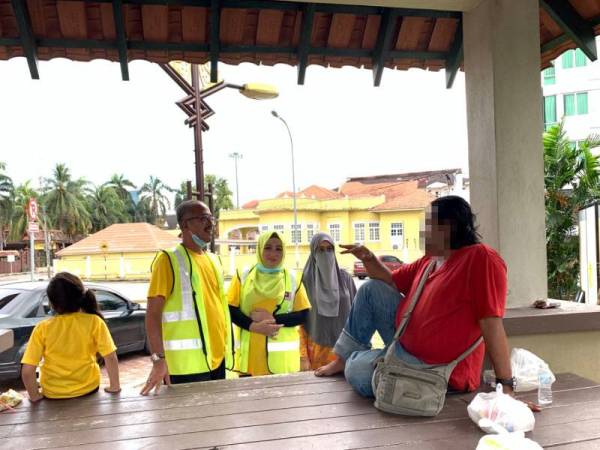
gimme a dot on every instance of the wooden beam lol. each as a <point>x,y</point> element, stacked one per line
<point>455,56</point>
<point>215,41</point>
<point>308,14</point>
<point>121,39</point>
<point>384,38</point>
<point>26,36</point>
<point>574,26</point>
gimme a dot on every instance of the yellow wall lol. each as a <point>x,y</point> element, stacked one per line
<point>576,352</point>
<point>112,266</point>
<point>322,213</point>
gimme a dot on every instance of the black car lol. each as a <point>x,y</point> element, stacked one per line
<point>23,305</point>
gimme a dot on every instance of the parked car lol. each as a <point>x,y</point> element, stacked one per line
<point>391,262</point>
<point>22,305</point>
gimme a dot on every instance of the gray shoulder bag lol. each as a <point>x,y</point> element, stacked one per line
<point>412,389</point>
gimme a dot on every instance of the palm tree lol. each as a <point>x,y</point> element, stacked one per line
<point>572,179</point>
<point>154,200</point>
<point>120,184</point>
<point>65,202</point>
<point>20,200</point>
<point>106,208</point>
<point>6,194</point>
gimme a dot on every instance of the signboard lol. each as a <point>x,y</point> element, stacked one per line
<point>185,70</point>
<point>32,209</point>
<point>33,227</point>
<point>10,258</point>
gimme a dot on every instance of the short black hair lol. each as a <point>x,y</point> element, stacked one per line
<point>185,207</point>
<point>456,212</point>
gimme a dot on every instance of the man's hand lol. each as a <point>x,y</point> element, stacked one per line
<point>532,406</point>
<point>266,327</point>
<point>360,251</point>
<point>260,314</point>
<point>158,375</point>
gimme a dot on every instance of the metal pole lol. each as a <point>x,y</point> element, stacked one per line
<point>235,157</point>
<point>32,254</point>
<point>198,148</point>
<point>296,241</point>
<point>47,243</point>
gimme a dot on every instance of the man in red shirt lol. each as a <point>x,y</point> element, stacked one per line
<point>463,298</point>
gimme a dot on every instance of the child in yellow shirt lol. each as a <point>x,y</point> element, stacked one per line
<point>68,343</point>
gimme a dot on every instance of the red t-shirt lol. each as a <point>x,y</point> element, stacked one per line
<point>470,286</point>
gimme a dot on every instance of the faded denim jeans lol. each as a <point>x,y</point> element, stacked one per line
<point>374,309</point>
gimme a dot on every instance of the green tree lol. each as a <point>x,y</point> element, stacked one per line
<point>6,203</point>
<point>65,200</point>
<point>19,220</point>
<point>153,202</point>
<point>106,207</point>
<point>572,179</point>
<point>222,193</point>
<point>120,184</point>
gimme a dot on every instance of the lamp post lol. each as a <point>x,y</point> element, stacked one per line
<point>198,111</point>
<point>295,230</point>
<point>236,156</point>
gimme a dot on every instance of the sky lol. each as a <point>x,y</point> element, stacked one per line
<point>84,115</point>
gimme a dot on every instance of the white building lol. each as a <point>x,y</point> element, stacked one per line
<point>571,90</point>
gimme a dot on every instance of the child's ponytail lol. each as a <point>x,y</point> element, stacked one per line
<point>67,294</point>
<point>89,303</point>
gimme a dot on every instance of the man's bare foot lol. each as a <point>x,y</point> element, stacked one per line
<point>331,368</point>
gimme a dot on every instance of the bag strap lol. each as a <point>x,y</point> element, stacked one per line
<point>413,301</point>
<point>468,351</point>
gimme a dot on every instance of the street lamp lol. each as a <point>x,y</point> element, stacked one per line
<point>235,157</point>
<point>295,238</point>
<point>198,111</point>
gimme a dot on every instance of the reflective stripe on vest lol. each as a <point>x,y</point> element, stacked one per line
<point>283,346</point>
<point>183,344</point>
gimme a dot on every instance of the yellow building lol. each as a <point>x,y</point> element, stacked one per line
<point>384,213</point>
<point>120,251</point>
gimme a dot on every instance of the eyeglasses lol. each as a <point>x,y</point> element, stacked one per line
<point>205,219</point>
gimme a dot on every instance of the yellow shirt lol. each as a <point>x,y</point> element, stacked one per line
<point>161,284</point>
<point>257,359</point>
<point>68,344</point>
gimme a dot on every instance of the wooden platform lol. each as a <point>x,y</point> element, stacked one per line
<point>280,412</point>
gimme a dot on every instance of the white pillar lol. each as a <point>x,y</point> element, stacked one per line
<point>504,112</point>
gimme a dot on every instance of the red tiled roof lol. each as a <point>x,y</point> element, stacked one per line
<point>319,193</point>
<point>285,194</point>
<point>123,238</point>
<point>250,205</point>
<point>417,199</point>
<point>266,33</point>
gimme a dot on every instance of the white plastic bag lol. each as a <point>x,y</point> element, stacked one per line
<point>507,441</point>
<point>526,367</point>
<point>500,412</point>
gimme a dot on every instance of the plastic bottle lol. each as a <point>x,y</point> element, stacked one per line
<point>544,388</point>
<point>489,378</point>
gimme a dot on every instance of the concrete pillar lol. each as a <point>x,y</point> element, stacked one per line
<point>502,71</point>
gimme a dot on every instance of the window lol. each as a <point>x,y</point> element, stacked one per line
<point>334,231</point>
<point>374,231</point>
<point>310,231</point>
<point>296,233</point>
<point>573,58</point>
<point>390,259</point>
<point>264,228</point>
<point>359,232</point>
<point>107,301</point>
<point>397,235</point>
<point>279,228</point>
<point>549,111</point>
<point>549,76</point>
<point>576,104</point>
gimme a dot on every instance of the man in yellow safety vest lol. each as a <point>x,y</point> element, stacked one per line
<point>188,325</point>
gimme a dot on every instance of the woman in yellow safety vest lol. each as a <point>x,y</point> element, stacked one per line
<point>268,304</point>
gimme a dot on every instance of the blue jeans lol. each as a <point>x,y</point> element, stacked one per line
<point>374,309</point>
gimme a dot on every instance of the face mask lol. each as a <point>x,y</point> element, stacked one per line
<point>264,269</point>
<point>199,242</point>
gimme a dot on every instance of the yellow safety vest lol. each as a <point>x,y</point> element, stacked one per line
<point>283,351</point>
<point>185,337</point>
